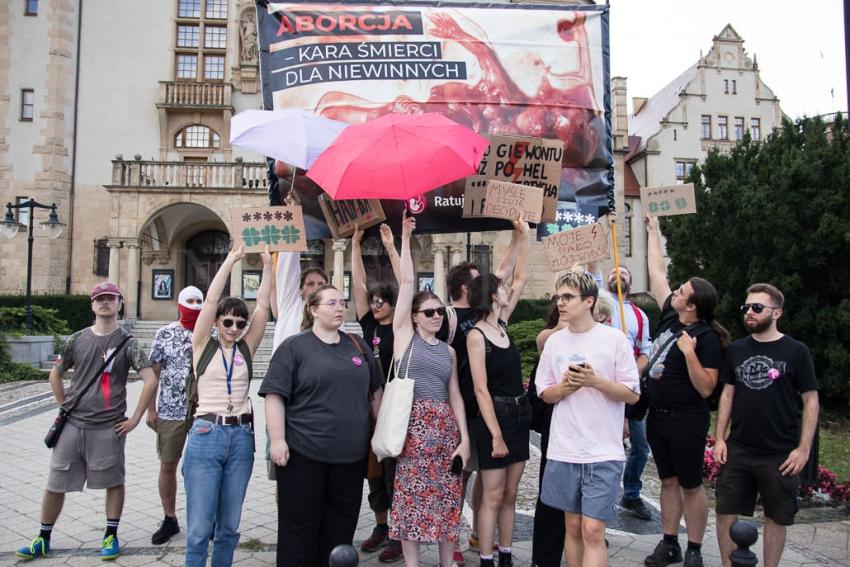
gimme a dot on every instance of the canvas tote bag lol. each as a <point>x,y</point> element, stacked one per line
<point>394,413</point>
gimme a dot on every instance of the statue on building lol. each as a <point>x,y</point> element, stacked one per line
<point>248,37</point>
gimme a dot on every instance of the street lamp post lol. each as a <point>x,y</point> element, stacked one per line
<point>10,226</point>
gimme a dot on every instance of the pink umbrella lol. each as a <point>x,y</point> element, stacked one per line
<point>397,156</point>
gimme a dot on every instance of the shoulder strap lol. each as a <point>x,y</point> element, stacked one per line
<point>192,377</point>
<point>356,343</point>
<point>246,354</point>
<point>661,349</point>
<point>451,316</point>
<point>97,374</point>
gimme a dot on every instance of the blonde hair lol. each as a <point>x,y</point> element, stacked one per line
<point>604,305</point>
<point>312,301</point>
<point>581,281</point>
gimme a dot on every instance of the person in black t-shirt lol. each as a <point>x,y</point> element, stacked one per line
<point>375,307</point>
<point>687,355</point>
<point>764,377</point>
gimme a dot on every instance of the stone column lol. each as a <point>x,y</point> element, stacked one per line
<point>439,271</point>
<point>236,279</point>
<point>132,292</point>
<point>114,246</point>
<point>456,254</point>
<point>339,246</point>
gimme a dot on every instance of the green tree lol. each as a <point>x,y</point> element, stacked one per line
<point>778,212</point>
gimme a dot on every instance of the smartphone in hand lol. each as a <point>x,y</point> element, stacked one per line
<point>457,465</point>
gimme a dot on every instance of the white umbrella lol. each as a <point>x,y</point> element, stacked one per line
<point>290,135</point>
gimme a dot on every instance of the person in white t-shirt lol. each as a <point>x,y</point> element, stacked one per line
<point>588,371</point>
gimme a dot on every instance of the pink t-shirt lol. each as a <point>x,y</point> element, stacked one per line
<point>587,426</point>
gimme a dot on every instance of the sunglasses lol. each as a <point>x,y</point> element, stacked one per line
<point>337,302</point>
<point>240,323</point>
<point>565,297</point>
<point>441,311</point>
<point>377,303</point>
<point>756,307</point>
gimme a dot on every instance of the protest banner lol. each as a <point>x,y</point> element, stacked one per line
<point>357,61</point>
<point>343,215</point>
<point>577,246</point>
<point>511,200</point>
<point>668,200</point>
<point>281,228</point>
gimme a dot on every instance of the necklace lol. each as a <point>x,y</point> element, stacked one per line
<point>499,328</point>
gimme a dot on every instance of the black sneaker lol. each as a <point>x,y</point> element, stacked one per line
<point>486,562</point>
<point>505,559</point>
<point>693,558</point>
<point>167,529</point>
<point>664,554</point>
<point>637,507</point>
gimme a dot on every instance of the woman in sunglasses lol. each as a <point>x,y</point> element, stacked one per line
<point>501,430</point>
<point>321,387</point>
<point>427,500</point>
<point>219,454</point>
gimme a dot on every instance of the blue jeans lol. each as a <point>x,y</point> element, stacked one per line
<point>636,460</point>
<point>216,469</point>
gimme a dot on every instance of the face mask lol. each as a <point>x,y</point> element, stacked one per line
<point>189,312</point>
<point>188,316</point>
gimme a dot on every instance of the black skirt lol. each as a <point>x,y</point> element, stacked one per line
<point>515,423</point>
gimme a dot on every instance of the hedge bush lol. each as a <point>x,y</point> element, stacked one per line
<point>529,309</point>
<point>13,371</point>
<point>524,335</point>
<point>75,310</point>
<point>44,322</point>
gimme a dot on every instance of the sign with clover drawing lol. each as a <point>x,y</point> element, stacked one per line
<point>669,200</point>
<point>281,228</point>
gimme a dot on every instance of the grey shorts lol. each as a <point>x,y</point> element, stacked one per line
<point>589,489</point>
<point>94,457</point>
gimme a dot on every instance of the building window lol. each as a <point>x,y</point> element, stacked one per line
<point>734,87</point>
<point>23,213</point>
<point>197,136</point>
<point>101,258</point>
<point>481,255</point>
<point>755,129</point>
<point>27,105</point>
<point>188,36</point>
<point>725,86</point>
<point>201,40</point>
<point>706,127</point>
<point>627,235</point>
<point>30,7</point>
<point>723,127</point>
<point>683,169</point>
<point>739,128</point>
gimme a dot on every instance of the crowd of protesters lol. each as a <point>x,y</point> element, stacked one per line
<point>603,376</point>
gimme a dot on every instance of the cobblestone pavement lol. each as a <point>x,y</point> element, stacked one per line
<point>820,538</point>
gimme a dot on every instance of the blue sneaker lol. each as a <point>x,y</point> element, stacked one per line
<point>39,547</point>
<point>109,548</point>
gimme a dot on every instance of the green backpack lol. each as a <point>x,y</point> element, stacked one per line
<point>206,356</point>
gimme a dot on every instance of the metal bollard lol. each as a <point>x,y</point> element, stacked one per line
<point>744,534</point>
<point>344,556</point>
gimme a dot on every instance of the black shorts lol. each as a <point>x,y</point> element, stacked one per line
<point>745,475</point>
<point>515,423</point>
<point>677,440</point>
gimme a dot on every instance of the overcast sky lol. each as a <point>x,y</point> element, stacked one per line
<point>799,45</point>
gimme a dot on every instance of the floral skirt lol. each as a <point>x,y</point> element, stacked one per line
<point>427,500</point>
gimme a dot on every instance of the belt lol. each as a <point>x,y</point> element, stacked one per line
<point>510,400</point>
<point>245,418</point>
<point>654,409</point>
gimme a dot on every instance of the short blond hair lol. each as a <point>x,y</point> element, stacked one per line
<point>604,305</point>
<point>582,282</point>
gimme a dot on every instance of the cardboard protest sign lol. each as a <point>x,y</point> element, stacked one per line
<point>535,162</point>
<point>577,246</point>
<point>343,215</point>
<point>668,200</point>
<point>281,228</point>
<point>474,197</point>
<point>511,200</point>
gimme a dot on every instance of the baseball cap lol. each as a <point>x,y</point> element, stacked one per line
<point>105,288</point>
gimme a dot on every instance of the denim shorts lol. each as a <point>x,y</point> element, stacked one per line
<point>589,489</point>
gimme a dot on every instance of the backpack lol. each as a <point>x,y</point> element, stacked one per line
<point>206,356</point>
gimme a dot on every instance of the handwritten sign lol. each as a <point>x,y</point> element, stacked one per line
<point>577,246</point>
<point>669,200</point>
<point>535,162</point>
<point>474,197</point>
<point>343,215</point>
<point>281,228</point>
<point>510,200</point>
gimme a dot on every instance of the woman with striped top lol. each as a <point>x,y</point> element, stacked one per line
<point>427,503</point>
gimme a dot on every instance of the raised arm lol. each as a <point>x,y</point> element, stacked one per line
<point>402,323</point>
<point>260,316</point>
<point>389,246</point>
<point>358,275</point>
<point>203,326</point>
<point>509,260</point>
<point>519,240</point>
<point>659,286</point>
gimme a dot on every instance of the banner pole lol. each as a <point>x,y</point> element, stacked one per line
<point>617,275</point>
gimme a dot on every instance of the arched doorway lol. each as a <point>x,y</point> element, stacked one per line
<point>205,253</point>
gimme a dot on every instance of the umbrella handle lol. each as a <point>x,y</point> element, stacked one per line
<point>289,200</point>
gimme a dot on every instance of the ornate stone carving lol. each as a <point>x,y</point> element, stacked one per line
<point>248,50</point>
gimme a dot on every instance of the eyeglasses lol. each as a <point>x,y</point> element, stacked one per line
<point>441,311</point>
<point>377,303</point>
<point>565,297</point>
<point>240,323</point>
<point>756,307</point>
<point>337,302</point>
